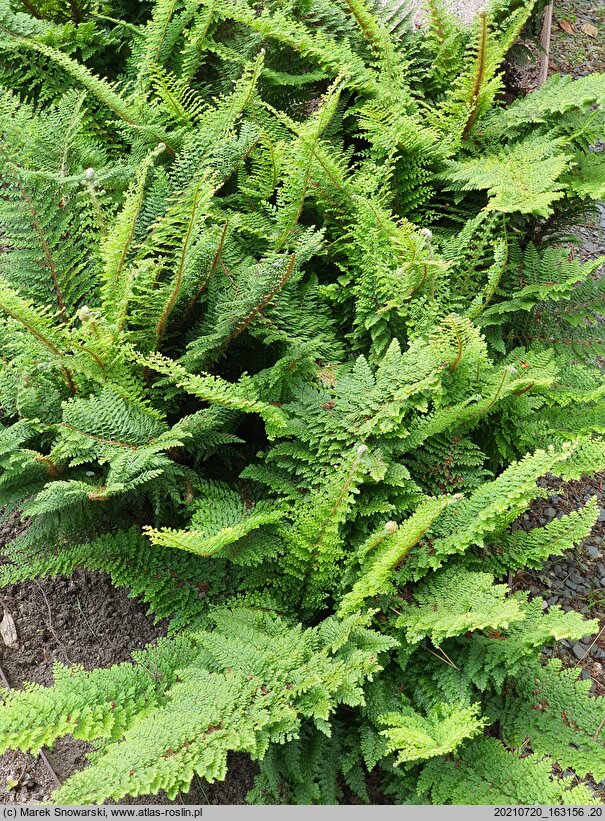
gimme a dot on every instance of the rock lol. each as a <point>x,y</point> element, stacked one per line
<point>601,515</point>
<point>551,513</point>
<point>542,520</point>
<point>601,569</point>
<point>599,653</point>
<point>575,577</point>
<point>578,650</point>
<point>572,586</point>
<point>593,552</point>
<point>552,601</point>
<point>554,498</point>
<point>585,675</point>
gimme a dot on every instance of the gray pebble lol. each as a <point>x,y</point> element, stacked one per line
<point>550,512</point>
<point>553,600</point>
<point>578,650</point>
<point>601,515</point>
<point>585,675</point>
<point>593,552</point>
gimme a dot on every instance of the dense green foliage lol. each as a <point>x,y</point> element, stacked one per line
<point>287,341</point>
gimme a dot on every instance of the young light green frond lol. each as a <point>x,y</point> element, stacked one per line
<point>117,274</point>
<point>523,179</point>
<point>239,396</point>
<point>532,548</point>
<point>221,518</point>
<point>454,602</point>
<point>414,737</point>
<point>376,573</point>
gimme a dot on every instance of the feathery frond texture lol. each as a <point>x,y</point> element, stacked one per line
<point>285,347</point>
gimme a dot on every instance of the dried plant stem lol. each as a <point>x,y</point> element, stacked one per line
<point>545,44</point>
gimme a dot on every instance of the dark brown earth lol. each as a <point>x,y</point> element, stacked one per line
<point>83,620</point>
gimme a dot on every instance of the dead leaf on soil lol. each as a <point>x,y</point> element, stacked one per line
<point>567,26</point>
<point>591,30</point>
<point>8,631</point>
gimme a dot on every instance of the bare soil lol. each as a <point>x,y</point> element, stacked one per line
<point>82,620</point>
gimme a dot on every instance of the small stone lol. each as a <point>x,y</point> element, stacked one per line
<point>599,653</point>
<point>572,586</point>
<point>569,774</point>
<point>585,675</point>
<point>542,520</point>
<point>576,577</point>
<point>593,552</point>
<point>601,515</point>
<point>560,514</point>
<point>553,600</point>
<point>554,498</point>
<point>551,512</point>
<point>578,650</point>
<point>601,569</point>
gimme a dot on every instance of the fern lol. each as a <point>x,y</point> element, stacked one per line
<point>288,337</point>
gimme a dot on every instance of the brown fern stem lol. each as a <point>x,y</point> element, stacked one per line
<point>479,75</point>
<point>176,288</point>
<point>213,266</point>
<point>76,14</point>
<point>50,263</point>
<point>263,303</point>
<point>31,9</point>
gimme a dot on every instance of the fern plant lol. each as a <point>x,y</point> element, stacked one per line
<point>285,351</point>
